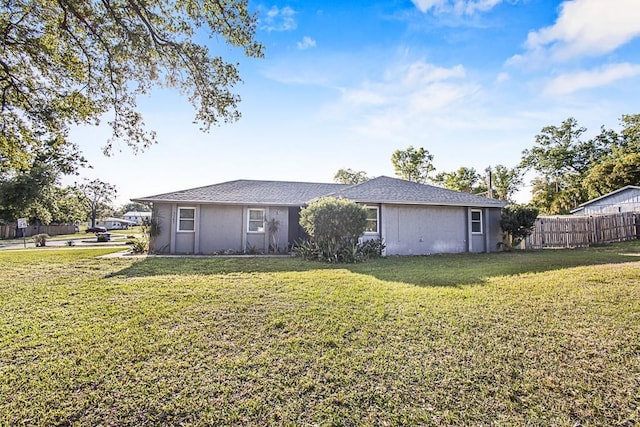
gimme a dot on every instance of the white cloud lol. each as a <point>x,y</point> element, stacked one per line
<point>572,82</point>
<point>584,28</point>
<point>503,77</point>
<point>406,97</point>
<point>306,43</point>
<point>279,19</point>
<point>419,86</point>
<point>458,7</point>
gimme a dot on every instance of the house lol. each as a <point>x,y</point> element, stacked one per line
<point>625,199</point>
<point>115,223</point>
<point>411,218</point>
<point>137,217</point>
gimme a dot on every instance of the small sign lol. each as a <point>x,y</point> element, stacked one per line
<point>22,222</point>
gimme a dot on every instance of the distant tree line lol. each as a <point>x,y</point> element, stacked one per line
<point>417,165</point>
<point>569,169</point>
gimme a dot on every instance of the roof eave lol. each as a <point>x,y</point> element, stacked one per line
<point>217,202</point>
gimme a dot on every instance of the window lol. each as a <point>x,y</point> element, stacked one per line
<point>476,222</point>
<point>372,219</point>
<point>256,221</point>
<point>186,219</point>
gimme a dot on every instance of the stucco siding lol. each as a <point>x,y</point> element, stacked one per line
<point>162,214</point>
<point>421,230</point>
<point>185,243</point>
<point>220,228</point>
<point>264,240</point>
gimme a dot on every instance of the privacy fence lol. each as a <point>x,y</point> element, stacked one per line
<point>577,231</point>
<point>10,231</point>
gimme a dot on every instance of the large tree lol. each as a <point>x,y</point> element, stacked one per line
<point>70,62</point>
<point>413,164</point>
<point>97,196</point>
<point>505,181</point>
<point>24,194</point>
<point>621,166</point>
<point>562,160</point>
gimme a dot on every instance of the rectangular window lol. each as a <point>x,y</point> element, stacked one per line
<point>186,219</point>
<point>256,221</point>
<point>476,222</point>
<point>372,219</point>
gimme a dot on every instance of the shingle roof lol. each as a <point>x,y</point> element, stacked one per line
<point>398,191</point>
<point>377,190</point>
<point>247,192</point>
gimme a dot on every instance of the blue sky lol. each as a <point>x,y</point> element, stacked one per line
<point>344,84</point>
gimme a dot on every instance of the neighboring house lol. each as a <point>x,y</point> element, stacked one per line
<point>625,199</point>
<point>411,218</point>
<point>137,217</point>
<point>115,223</point>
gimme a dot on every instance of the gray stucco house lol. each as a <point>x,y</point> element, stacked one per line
<point>411,218</point>
<point>625,199</point>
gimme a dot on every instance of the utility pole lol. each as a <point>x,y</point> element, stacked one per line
<point>490,183</point>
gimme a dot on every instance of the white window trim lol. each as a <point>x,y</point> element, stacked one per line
<point>377,208</point>
<point>264,213</point>
<point>472,221</point>
<point>180,208</point>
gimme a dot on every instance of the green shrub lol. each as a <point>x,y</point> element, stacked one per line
<point>311,251</point>
<point>334,226</point>
<point>139,246</point>
<point>40,239</point>
<point>308,249</point>
<point>371,249</point>
<point>518,221</point>
<point>102,238</point>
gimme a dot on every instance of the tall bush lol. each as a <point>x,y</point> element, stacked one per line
<point>518,221</point>
<point>334,226</point>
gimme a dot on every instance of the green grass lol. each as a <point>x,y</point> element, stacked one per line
<point>543,338</point>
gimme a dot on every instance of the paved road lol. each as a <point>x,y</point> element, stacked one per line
<point>84,241</point>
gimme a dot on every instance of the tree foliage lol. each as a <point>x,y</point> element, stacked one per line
<point>25,194</point>
<point>466,180</point>
<point>70,62</point>
<point>97,195</point>
<point>349,176</point>
<point>335,225</point>
<point>505,181</point>
<point>413,164</point>
<point>563,160</point>
<point>518,222</point>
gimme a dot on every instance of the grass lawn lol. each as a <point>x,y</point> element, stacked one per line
<point>544,338</point>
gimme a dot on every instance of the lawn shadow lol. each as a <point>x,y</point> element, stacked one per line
<point>434,270</point>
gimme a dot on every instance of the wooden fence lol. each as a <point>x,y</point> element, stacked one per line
<point>577,231</point>
<point>10,231</point>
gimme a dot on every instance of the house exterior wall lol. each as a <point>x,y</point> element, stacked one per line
<point>163,215</point>
<point>264,240</point>
<point>405,230</point>
<point>423,230</point>
<point>624,201</point>
<point>218,228</point>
